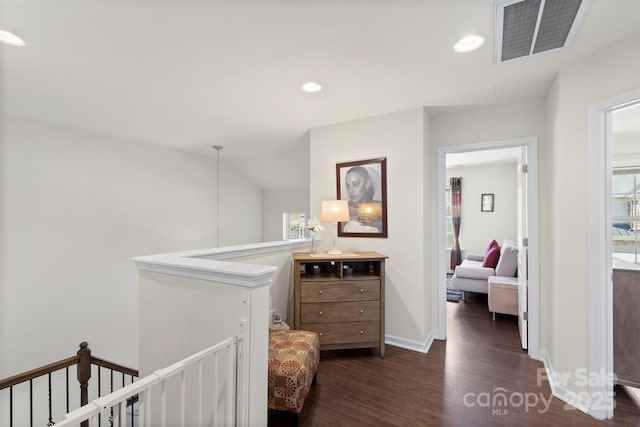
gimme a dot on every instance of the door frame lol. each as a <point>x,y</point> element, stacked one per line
<point>532,211</point>
<point>522,232</point>
<point>599,283</point>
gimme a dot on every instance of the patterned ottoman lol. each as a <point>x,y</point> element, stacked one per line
<point>293,362</point>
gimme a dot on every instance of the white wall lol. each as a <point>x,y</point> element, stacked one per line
<point>283,174</point>
<point>76,206</point>
<point>280,169</point>
<point>478,228</point>
<point>600,76</point>
<point>400,138</point>
<point>489,123</point>
<point>277,202</point>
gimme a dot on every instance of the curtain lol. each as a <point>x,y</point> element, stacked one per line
<point>456,202</point>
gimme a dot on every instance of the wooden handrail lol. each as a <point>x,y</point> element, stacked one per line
<point>110,365</point>
<point>83,360</point>
<point>64,363</point>
<point>37,372</point>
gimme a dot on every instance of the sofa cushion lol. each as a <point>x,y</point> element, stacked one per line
<point>470,285</point>
<point>475,257</point>
<point>508,261</point>
<point>491,257</point>
<point>473,270</point>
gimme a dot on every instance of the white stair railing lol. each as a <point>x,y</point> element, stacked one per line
<point>213,393</point>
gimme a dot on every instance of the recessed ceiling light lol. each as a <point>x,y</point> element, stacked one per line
<point>311,87</point>
<point>11,39</point>
<point>469,43</point>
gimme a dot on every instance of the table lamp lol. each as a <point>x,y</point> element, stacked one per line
<point>334,211</point>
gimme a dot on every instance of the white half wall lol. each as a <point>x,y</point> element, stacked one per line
<point>479,228</point>
<point>281,289</point>
<point>76,207</point>
<point>400,138</point>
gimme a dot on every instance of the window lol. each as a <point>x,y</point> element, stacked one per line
<point>626,214</point>
<point>449,224</point>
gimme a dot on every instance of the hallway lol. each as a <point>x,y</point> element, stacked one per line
<point>357,388</point>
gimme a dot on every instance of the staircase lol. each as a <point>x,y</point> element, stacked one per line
<point>200,390</point>
<point>42,395</point>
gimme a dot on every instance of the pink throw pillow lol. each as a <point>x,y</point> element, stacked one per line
<point>491,258</point>
<point>491,245</point>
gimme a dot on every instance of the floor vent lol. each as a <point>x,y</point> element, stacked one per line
<point>528,27</point>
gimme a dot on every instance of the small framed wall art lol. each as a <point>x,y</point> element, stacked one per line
<point>486,203</point>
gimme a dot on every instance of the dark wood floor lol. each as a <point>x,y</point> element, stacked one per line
<point>357,388</point>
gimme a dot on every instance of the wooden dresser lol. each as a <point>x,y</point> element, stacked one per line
<point>341,298</point>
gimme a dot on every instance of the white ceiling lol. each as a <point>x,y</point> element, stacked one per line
<point>192,74</point>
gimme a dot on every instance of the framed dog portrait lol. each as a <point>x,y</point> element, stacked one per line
<point>363,184</point>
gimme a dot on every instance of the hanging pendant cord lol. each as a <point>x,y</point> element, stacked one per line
<point>217,148</point>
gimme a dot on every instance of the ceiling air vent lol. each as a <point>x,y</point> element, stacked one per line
<point>528,27</point>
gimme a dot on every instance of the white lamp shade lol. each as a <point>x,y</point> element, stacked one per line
<point>334,211</point>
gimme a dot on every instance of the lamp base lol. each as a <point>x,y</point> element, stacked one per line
<point>335,252</point>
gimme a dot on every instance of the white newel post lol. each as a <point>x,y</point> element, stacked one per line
<point>252,381</point>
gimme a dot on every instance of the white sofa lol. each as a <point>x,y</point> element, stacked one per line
<point>471,276</point>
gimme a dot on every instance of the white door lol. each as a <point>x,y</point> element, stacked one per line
<point>522,248</point>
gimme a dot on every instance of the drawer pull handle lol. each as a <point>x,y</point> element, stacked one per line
<point>320,333</point>
<point>361,290</point>
<point>361,311</point>
<point>320,291</point>
<point>320,313</point>
<point>361,332</point>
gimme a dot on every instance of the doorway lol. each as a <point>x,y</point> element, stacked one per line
<point>599,216</point>
<point>531,206</point>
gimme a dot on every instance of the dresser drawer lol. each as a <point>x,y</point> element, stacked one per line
<point>349,332</point>
<point>346,290</point>
<point>358,311</point>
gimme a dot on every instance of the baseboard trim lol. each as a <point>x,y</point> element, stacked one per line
<point>421,347</point>
<point>569,397</point>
